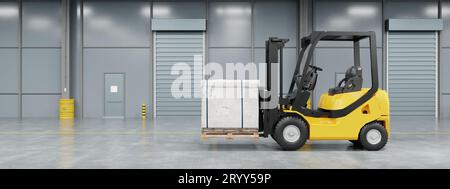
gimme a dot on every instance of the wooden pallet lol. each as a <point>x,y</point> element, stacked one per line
<point>229,133</point>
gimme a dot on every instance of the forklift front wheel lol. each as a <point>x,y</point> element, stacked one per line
<point>291,133</point>
<point>273,136</point>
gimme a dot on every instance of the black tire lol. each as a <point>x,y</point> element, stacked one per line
<point>364,140</point>
<point>273,136</point>
<point>355,143</point>
<point>285,143</point>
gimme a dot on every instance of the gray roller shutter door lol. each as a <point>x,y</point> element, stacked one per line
<point>412,73</point>
<point>172,48</point>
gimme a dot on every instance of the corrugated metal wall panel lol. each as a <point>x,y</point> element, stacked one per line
<point>412,73</point>
<point>172,48</point>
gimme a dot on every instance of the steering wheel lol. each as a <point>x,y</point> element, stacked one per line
<point>315,67</point>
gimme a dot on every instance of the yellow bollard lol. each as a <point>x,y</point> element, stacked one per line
<point>66,108</point>
<point>144,111</point>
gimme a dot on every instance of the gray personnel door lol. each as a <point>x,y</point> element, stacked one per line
<point>174,48</point>
<point>114,95</point>
<point>412,73</point>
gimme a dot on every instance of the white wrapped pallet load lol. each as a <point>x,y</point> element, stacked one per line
<point>223,104</point>
<point>230,104</point>
<point>250,103</point>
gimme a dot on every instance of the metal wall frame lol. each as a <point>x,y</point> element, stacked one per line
<point>153,93</point>
<point>438,68</point>
<point>305,26</point>
<point>152,65</point>
<point>65,50</point>
<point>20,4</point>
<point>82,58</point>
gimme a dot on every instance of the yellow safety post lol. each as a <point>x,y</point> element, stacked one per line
<point>66,108</point>
<point>144,111</point>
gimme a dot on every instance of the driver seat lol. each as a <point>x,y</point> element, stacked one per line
<point>308,85</point>
<point>310,81</point>
<point>352,81</point>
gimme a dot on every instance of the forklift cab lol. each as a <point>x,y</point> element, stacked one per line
<point>342,112</point>
<point>302,85</point>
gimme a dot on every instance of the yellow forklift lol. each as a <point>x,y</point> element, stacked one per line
<point>347,112</point>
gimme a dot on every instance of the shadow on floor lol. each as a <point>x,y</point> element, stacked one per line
<point>330,147</point>
<point>274,147</point>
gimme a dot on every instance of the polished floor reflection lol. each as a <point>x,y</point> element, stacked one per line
<point>175,143</point>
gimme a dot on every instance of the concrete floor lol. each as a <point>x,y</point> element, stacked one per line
<point>175,143</point>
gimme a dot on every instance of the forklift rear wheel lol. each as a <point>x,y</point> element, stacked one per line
<point>291,133</point>
<point>373,136</point>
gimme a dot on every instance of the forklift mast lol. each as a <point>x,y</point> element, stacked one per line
<point>274,59</point>
<point>274,85</point>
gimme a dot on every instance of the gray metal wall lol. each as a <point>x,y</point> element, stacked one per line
<point>116,38</point>
<point>335,58</point>
<point>360,15</point>
<point>116,35</point>
<point>9,59</point>
<point>30,47</point>
<point>237,32</point>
